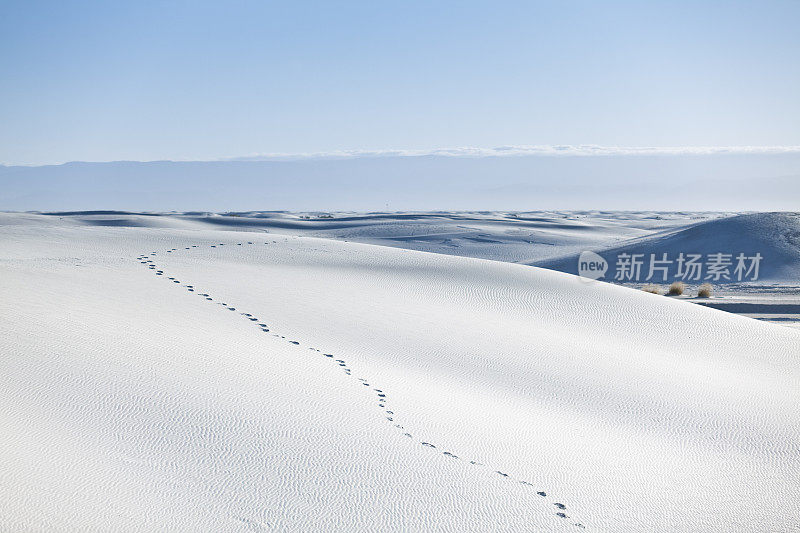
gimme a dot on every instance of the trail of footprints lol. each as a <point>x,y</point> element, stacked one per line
<point>147,260</point>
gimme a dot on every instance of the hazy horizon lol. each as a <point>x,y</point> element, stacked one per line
<point>654,181</point>
<point>589,150</point>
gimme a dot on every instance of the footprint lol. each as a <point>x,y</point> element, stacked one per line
<point>381,395</point>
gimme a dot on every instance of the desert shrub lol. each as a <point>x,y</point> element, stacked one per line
<point>653,289</point>
<point>704,291</point>
<point>677,288</point>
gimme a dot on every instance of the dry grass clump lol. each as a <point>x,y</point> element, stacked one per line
<point>704,290</point>
<point>677,288</point>
<point>653,289</point>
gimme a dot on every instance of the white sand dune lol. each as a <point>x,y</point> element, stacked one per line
<point>503,236</point>
<point>776,236</point>
<point>140,391</point>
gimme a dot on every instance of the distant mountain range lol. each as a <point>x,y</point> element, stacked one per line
<point>714,182</point>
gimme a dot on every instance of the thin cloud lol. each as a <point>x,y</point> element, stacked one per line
<point>557,150</point>
<point>535,150</point>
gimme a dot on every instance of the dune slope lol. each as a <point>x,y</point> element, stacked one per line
<point>282,383</point>
<point>776,236</point>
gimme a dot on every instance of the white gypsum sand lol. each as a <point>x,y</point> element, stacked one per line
<point>130,401</point>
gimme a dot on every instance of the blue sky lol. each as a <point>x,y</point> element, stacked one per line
<point>100,81</point>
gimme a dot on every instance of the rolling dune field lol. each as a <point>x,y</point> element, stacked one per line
<point>180,377</point>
